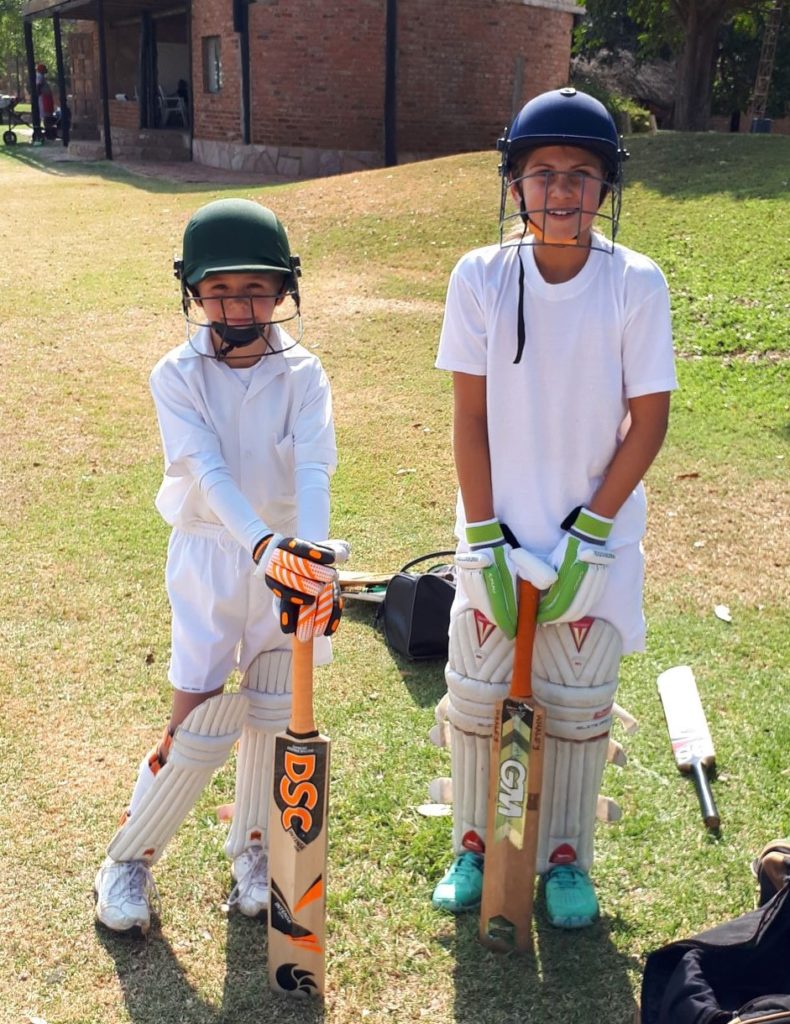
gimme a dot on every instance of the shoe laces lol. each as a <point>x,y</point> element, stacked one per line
<point>467,864</point>
<point>138,882</point>
<point>565,876</point>
<point>256,862</point>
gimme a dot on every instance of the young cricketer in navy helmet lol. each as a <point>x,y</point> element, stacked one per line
<point>560,345</point>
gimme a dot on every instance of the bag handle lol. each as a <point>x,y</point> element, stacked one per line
<point>424,558</point>
<point>778,1017</point>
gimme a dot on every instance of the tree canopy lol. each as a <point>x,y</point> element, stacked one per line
<point>715,44</point>
<point>13,60</point>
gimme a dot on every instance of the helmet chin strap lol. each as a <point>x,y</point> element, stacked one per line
<point>235,337</point>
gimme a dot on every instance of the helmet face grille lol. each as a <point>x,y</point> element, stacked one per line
<point>239,236</point>
<point>236,321</point>
<point>563,117</point>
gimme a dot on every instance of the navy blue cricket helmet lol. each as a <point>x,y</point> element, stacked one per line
<point>564,117</point>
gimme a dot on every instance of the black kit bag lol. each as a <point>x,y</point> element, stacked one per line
<point>737,971</point>
<point>415,613</point>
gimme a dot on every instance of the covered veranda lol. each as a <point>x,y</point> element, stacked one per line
<point>128,68</point>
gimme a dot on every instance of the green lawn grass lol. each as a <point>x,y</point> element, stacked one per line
<point>88,305</point>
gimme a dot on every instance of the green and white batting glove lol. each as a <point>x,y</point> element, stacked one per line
<point>581,561</point>
<point>491,575</point>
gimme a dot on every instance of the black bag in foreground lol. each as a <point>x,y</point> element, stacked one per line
<point>415,613</point>
<point>737,971</point>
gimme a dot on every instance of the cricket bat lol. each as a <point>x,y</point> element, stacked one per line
<point>516,777</point>
<point>689,734</point>
<point>350,580</point>
<point>298,843</point>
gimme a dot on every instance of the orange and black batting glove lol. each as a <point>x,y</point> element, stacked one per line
<point>302,577</point>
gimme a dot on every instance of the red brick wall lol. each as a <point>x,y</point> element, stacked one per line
<point>124,114</point>
<point>216,115</point>
<point>457,68</point>
<point>317,71</point>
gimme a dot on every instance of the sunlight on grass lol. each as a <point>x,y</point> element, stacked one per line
<point>88,306</point>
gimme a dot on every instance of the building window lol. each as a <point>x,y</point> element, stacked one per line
<point>212,64</point>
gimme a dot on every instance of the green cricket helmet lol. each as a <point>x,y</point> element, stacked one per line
<point>236,236</point>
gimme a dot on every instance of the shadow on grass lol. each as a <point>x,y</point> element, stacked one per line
<point>53,162</point>
<point>156,989</point>
<point>572,977</point>
<point>689,165</point>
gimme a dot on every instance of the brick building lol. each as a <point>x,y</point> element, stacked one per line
<point>304,88</point>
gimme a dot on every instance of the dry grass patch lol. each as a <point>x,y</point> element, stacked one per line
<point>714,538</point>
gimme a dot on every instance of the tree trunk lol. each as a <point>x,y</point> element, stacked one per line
<point>701,20</point>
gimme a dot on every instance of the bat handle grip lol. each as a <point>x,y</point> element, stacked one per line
<point>528,599</point>
<point>710,814</point>
<point>302,720</point>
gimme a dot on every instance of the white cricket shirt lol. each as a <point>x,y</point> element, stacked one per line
<point>555,419</point>
<point>264,424</point>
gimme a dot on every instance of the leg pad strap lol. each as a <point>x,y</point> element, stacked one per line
<point>201,744</point>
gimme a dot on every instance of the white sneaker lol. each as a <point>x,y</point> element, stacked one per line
<point>250,871</point>
<point>124,893</point>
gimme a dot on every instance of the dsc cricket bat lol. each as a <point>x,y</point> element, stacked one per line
<point>689,734</point>
<point>516,776</point>
<point>298,843</point>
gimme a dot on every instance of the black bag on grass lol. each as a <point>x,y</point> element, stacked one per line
<point>415,613</point>
<point>737,971</point>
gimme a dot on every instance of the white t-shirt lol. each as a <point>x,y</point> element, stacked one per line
<point>263,427</point>
<point>555,419</point>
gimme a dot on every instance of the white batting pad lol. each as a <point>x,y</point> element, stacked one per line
<point>267,685</point>
<point>440,733</point>
<point>201,744</point>
<point>479,667</point>
<point>575,669</point>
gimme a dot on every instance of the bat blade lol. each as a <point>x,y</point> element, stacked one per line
<point>298,843</point>
<point>516,777</point>
<point>689,734</point>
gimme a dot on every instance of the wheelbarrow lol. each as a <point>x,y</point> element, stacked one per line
<point>13,118</point>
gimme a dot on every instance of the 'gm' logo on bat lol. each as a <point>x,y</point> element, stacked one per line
<point>300,776</point>
<point>512,776</point>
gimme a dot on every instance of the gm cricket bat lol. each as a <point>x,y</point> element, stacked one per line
<point>516,777</point>
<point>298,842</point>
<point>689,734</point>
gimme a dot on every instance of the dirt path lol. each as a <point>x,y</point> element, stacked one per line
<point>184,171</point>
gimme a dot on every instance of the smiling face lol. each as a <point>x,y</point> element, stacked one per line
<point>240,308</point>
<point>560,188</point>
<point>239,299</point>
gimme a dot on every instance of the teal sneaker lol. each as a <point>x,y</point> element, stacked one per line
<point>462,886</point>
<point>570,897</point>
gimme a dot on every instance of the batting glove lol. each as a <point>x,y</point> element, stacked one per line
<point>302,576</point>
<point>491,579</point>
<point>581,561</point>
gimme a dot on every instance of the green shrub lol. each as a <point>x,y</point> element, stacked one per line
<point>628,115</point>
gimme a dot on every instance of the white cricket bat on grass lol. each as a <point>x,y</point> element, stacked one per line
<point>689,734</point>
<point>298,843</point>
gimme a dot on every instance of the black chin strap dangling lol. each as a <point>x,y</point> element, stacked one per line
<point>520,329</point>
